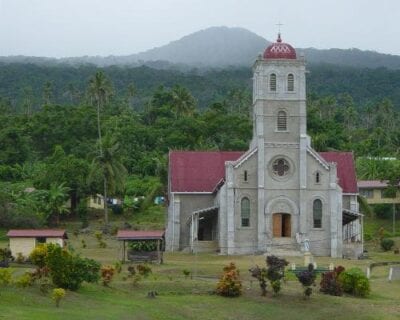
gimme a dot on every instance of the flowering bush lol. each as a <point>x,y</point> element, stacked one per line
<point>307,279</point>
<point>330,283</point>
<point>230,285</point>
<point>107,273</point>
<point>57,295</point>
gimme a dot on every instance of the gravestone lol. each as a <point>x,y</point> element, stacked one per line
<point>394,273</point>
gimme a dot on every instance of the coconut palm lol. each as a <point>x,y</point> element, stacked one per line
<point>183,101</point>
<point>109,166</point>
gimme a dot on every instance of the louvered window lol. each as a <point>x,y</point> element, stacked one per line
<point>290,82</point>
<point>272,82</point>
<point>282,121</point>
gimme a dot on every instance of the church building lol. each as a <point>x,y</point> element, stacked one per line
<point>280,196</point>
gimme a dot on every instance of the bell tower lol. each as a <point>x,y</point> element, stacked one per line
<point>280,135</point>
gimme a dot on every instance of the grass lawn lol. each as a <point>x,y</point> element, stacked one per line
<point>185,298</point>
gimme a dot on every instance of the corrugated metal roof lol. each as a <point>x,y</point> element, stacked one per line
<point>373,183</point>
<point>33,233</point>
<point>198,171</point>
<point>345,169</point>
<point>140,234</point>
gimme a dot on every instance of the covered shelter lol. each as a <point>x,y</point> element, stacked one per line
<point>23,241</point>
<point>131,236</point>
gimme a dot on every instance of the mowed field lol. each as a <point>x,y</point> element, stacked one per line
<point>180,297</point>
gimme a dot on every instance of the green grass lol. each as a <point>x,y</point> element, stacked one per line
<point>193,298</point>
<point>185,298</point>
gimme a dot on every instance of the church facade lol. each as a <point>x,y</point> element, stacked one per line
<point>280,195</point>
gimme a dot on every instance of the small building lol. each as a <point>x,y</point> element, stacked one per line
<point>375,192</point>
<point>23,241</point>
<point>131,236</point>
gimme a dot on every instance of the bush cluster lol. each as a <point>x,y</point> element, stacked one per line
<point>387,244</point>
<point>107,273</point>
<point>330,283</point>
<point>229,285</point>
<point>307,279</point>
<point>355,282</point>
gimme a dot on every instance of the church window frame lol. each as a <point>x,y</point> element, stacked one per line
<point>290,82</point>
<point>245,212</point>
<point>317,177</point>
<point>317,213</point>
<point>281,121</point>
<point>272,82</point>
<point>245,176</point>
<point>288,169</point>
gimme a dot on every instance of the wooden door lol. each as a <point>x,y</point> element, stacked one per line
<point>277,225</point>
<point>287,226</point>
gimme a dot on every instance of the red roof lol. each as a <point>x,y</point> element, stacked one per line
<point>280,50</point>
<point>198,171</point>
<point>345,169</point>
<point>373,183</point>
<point>33,233</point>
<point>139,235</point>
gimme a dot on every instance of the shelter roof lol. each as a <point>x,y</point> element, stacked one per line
<point>140,234</point>
<point>33,233</point>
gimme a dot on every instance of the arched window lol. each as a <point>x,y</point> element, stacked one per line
<point>290,82</point>
<point>317,213</point>
<point>245,212</point>
<point>272,82</point>
<point>281,124</point>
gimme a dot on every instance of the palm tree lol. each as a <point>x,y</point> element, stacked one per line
<point>99,91</point>
<point>183,101</point>
<point>110,167</point>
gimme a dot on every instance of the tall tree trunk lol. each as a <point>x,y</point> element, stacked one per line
<point>105,205</point>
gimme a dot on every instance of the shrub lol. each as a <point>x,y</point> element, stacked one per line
<point>5,254</point>
<point>355,282</point>
<point>131,270</point>
<point>83,242</point>
<point>330,283</point>
<point>229,285</point>
<point>98,235</point>
<point>276,272</point>
<point>20,258</point>
<point>57,295</point>
<point>143,245</point>
<point>107,273</point>
<point>143,269</point>
<point>5,276</point>
<point>38,256</point>
<point>186,273</point>
<point>68,271</point>
<point>387,244</point>
<point>307,279</point>
<point>24,281</point>
<point>261,275</point>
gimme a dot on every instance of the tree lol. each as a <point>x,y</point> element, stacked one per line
<point>100,90</point>
<point>108,165</point>
<point>56,197</point>
<point>183,102</point>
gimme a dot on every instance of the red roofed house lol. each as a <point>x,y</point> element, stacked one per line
<point>280,195</point>
<point>23,241</point>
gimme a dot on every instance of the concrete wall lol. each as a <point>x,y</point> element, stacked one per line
<point>22,245</point>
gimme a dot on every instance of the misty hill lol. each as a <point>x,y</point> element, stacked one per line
<point>219,47</point>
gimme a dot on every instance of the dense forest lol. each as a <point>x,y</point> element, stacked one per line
<point>73,132</point>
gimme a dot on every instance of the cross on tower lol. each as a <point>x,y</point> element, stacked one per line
<point>279,27</point>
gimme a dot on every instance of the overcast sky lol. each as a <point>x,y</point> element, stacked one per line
<point>61,28</point>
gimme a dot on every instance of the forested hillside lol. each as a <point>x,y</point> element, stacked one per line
<point>26,85</point>
<point>54,120</point>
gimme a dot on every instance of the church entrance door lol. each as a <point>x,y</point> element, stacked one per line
<point>281,225</point>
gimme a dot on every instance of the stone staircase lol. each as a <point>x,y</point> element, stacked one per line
<point>284,247</point>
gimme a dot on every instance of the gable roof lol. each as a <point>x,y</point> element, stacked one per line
<point>345,169</point>
<point>201,171</point>
<point>198,171</point>
<point>140,235</point>
<point>33,233</point>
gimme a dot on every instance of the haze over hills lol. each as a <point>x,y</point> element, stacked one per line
<point>220,47</point>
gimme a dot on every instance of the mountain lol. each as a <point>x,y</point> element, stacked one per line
<point>220,47</point>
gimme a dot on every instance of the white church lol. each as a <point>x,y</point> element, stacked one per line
<point>279,196</point>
